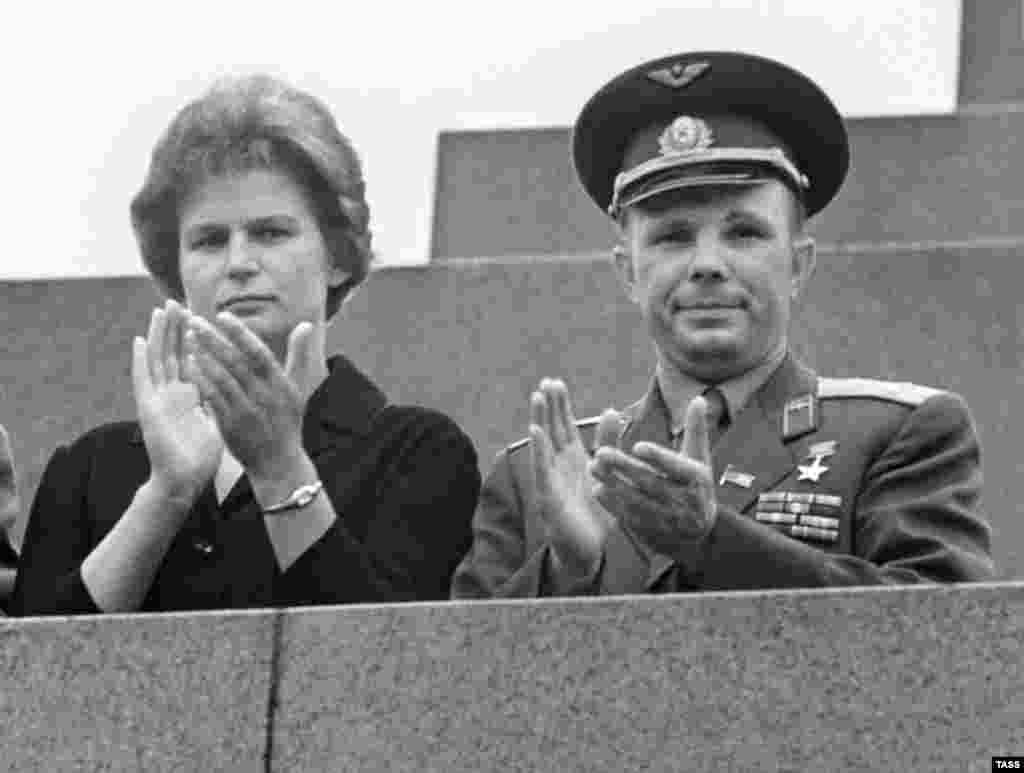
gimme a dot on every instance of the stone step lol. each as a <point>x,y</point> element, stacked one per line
<point>473,339</point>
<point>991,51</point>
<point>915,179</point>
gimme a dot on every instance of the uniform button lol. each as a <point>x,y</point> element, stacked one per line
<point>203,545</point>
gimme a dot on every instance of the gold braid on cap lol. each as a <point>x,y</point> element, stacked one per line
<point>774,157</point>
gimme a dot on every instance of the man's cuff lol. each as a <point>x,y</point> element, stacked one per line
<point>691,556</point>
<point>558,581</point>
<point>685,557</point>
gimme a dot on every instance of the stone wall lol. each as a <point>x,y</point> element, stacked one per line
<point>869,679</point>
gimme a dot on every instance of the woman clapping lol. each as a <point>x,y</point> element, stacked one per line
<point>260,472</point>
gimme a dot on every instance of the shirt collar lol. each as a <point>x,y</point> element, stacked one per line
<point>678,390</point>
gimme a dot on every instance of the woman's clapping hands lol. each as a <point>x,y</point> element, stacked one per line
<point>181,436</point>
<point>258,404</point>
<point>201,386</point>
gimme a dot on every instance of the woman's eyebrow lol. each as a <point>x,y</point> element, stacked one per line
<point>279,218</point>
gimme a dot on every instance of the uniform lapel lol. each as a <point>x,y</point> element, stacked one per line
<point>754,444</point>
<point>647,420</point>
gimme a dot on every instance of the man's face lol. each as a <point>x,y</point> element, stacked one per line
<point>714,271</point>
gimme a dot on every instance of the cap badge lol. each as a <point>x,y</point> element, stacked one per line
<point>679,75</point>
<point>685,135</point>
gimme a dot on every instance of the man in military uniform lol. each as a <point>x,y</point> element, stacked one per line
<point>740,468</point>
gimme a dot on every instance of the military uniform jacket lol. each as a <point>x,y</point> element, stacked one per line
<point>896,501</point>
<point>403,481</point>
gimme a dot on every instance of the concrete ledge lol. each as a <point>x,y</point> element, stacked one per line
<point>872,679</point>
<point>913,179</point>
<point>149,692</point>
<point>991,51</point>
<point>868,679</point>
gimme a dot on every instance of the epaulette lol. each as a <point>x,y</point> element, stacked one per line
<point>903,392</point>
<point>581,423</point>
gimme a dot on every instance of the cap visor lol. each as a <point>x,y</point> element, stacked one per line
<point>695,181</point>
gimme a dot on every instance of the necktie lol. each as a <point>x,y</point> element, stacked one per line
<point>718,413</point>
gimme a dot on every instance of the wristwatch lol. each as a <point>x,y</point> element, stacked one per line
<point>298,499</point>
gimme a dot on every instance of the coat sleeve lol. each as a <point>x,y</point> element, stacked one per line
<point>57,540</point>
<point>416,534</point>
<point>916,520</point>
<point>498,565</point>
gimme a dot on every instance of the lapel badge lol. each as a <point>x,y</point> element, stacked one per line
<point>679,75</point>
<point>799,416</point>
<point>734,476</point>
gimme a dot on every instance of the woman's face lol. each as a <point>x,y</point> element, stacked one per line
<point>250,244</point>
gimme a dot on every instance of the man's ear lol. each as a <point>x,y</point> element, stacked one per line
<point>624,269</point>
<point>805,258</point>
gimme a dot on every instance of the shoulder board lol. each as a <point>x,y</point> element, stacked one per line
<point>903,392</point>
<point>590,421</point>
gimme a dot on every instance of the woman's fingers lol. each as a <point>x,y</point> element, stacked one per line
<point>174,336</point>
<point>250,351</point>
<point>217,386</point>
<point>216,346</point>
<point>301,358</point>
<point>141,379</point>
<point>155,345</point>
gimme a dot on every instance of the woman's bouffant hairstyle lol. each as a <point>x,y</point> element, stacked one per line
<point>246,123</point>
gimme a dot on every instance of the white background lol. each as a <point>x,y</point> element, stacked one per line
<point>88,88</point>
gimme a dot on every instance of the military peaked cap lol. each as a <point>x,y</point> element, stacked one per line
<point>711,117</point>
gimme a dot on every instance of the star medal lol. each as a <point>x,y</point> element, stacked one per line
<point>817,454</point>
